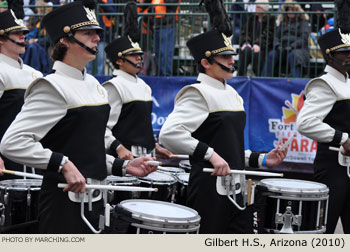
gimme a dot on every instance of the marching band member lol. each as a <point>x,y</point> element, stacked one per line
<point>324,118</point>
<point>207,123</point>
<point>129,128</point>
<point>15,77</point>
<point>62,124</point>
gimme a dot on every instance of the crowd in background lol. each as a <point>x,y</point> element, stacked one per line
<point>269,42</point>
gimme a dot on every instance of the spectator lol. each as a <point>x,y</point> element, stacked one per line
<point>165,34</point>
<point>291,42</point>
<point>257,39</point>
<point>318,19</point>
<point>239,18</point>
<point>36,54</point>
<point>149,64</point>
<point>3,6</point>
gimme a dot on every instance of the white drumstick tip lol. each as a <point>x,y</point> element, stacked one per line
<point>155,163</point>
<point>288,142</point>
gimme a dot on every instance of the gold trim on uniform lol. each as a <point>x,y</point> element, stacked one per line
<point>100,91</point>
<point>84,24</point>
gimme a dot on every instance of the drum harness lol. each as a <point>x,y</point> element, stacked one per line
<point>95,191</point>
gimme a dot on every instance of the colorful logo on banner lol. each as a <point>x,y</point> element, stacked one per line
<point>301,149</point>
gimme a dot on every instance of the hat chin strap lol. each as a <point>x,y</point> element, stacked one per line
<point>82,45</point>
<point>133,64</point>
<point>13,41</point>
<point>225,68</point>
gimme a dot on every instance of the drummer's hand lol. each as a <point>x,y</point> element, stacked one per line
<point>276,156</point>
<point>162,152</point>
<point>139,167</point>
<point>346,147</point>
<point>221,167</point>
<point>75,181</point>
<point>124,153</point>
<point>2,166</point>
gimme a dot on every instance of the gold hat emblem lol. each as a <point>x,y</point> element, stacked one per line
<point>18,21</point>
<point>227,40</point>
<point>135,45</point>
<point>66,29</point>
<point>90,14</point>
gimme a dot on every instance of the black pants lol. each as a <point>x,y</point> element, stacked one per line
<point>59,215</point>
<point>330,173</point>
<point>218,214</point>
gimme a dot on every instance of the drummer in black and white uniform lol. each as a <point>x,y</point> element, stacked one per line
<point>62,125</point>
<point>207,123</point>
<point>325,118</point>
<point>15,76</point>
<point>129,128</point>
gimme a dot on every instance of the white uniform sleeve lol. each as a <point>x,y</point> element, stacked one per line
<point>44,106</point>
<point>116,104</point>
<point>189,113</point>
<point>320,99</point>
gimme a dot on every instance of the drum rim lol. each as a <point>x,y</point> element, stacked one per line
<point>159,182</point>
<point>182,164</point>
<point>179,170</point>
<point>156,219</point>
<point>288,190</point>
<point>11,182</point>
<point>181,180</point>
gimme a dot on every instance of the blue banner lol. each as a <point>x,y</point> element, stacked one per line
<point>271,106</point>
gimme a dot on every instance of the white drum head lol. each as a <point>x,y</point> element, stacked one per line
<point>118,179</point>
<point>170,169</point>
<point>293,186</point>
<point>160,211</point>
<point>183,177</point>
<point>21,184</point>
<point>157,176</point>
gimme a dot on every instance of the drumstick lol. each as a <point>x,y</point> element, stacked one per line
<point>334,148</point>
<point>155,163</point>
<point>179,156</point>
<point>23,174</point>
<point>254,173</point>
<point>250,182</point>
<point>116,188</point>
<point>285,145</point>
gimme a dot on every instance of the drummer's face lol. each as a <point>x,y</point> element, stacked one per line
<point>89,38</point>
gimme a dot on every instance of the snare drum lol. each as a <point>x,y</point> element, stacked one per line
<point>114,197</point>
<point>185,164</point>
<point>293,206</point>
<point>181,192</point>
<point>165,183</point>
<point>150,216</point>
<point>171,170</point>
<point>20,200</point>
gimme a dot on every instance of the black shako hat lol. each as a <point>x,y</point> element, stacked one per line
<point>120,47</point>
<point>10,23</point>
<point>339,38</point>
<point>334,41</point>
<point>69,18</point>
<point>209,44</point>
<point>127,44</point>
